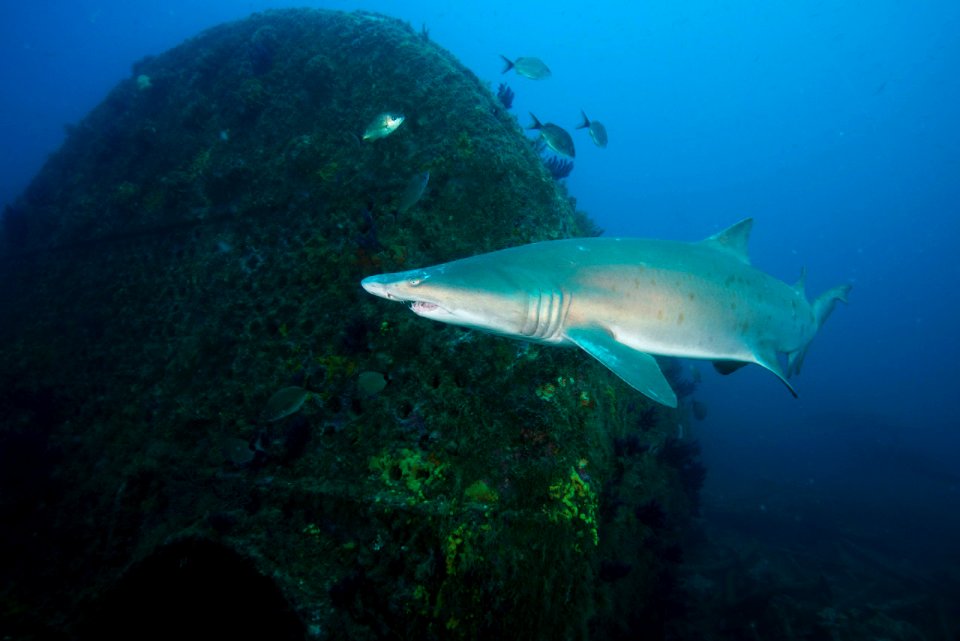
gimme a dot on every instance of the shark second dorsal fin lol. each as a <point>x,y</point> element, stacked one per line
<point>733,240</point>
<point>801,285</point>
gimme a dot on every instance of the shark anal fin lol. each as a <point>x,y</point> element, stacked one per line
<point>822,307</point>
<point>639,370</point>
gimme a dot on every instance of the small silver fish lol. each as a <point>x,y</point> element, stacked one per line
<point>532,68</point>
<point>597,131</point>
<point>383,125</point>
<point>556,137</point>
<point>413,192</point>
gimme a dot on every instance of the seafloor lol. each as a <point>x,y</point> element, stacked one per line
<point>208,429</point>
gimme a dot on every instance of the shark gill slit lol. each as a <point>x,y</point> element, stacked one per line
<point>546,311</point>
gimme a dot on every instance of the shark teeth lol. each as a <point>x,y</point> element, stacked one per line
<point>419,306</point>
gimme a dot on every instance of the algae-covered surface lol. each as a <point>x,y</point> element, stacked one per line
<point>204,415</point>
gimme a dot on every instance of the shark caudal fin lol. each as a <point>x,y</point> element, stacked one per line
<point>822,307</point>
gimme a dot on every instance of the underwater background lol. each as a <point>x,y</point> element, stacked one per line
<point>832,124</point>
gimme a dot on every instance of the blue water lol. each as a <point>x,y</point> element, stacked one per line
<point>833,124</point>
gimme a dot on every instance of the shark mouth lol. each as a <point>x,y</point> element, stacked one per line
<point>420,307</point>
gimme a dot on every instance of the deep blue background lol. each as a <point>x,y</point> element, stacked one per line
<point>834,124</point>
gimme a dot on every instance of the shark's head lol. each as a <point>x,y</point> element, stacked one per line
<point>456,293</point>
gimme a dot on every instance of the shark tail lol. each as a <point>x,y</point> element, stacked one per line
<point>822,308</point>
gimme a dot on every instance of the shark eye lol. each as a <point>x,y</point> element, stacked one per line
<point>414,282</point>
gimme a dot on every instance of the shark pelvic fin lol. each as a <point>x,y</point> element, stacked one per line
<point>768,359</point>
<point>639,370</point>
<point>733,240</point>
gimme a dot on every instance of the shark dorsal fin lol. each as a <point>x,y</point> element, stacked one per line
<point>733,240</point>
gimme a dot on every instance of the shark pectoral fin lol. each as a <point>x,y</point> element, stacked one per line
<point>639,370</point>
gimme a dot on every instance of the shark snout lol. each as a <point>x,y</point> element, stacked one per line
<point>384,286</point>
<point>396,287</point>
<point>375,286</point>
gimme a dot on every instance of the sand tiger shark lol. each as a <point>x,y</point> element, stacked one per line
<point>626,300</point>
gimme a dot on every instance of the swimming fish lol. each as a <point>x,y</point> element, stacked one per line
<point>556,137</point>
<point>626,300</point>
<point>283,403</point>
<point>383,125</point>
<point>413,192</point>
<point>597,131</point>
<point>528,67</point>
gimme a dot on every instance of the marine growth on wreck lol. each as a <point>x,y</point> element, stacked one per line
<point>192,376</point>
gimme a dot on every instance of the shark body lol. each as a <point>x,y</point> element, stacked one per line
<point>624,300</point>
